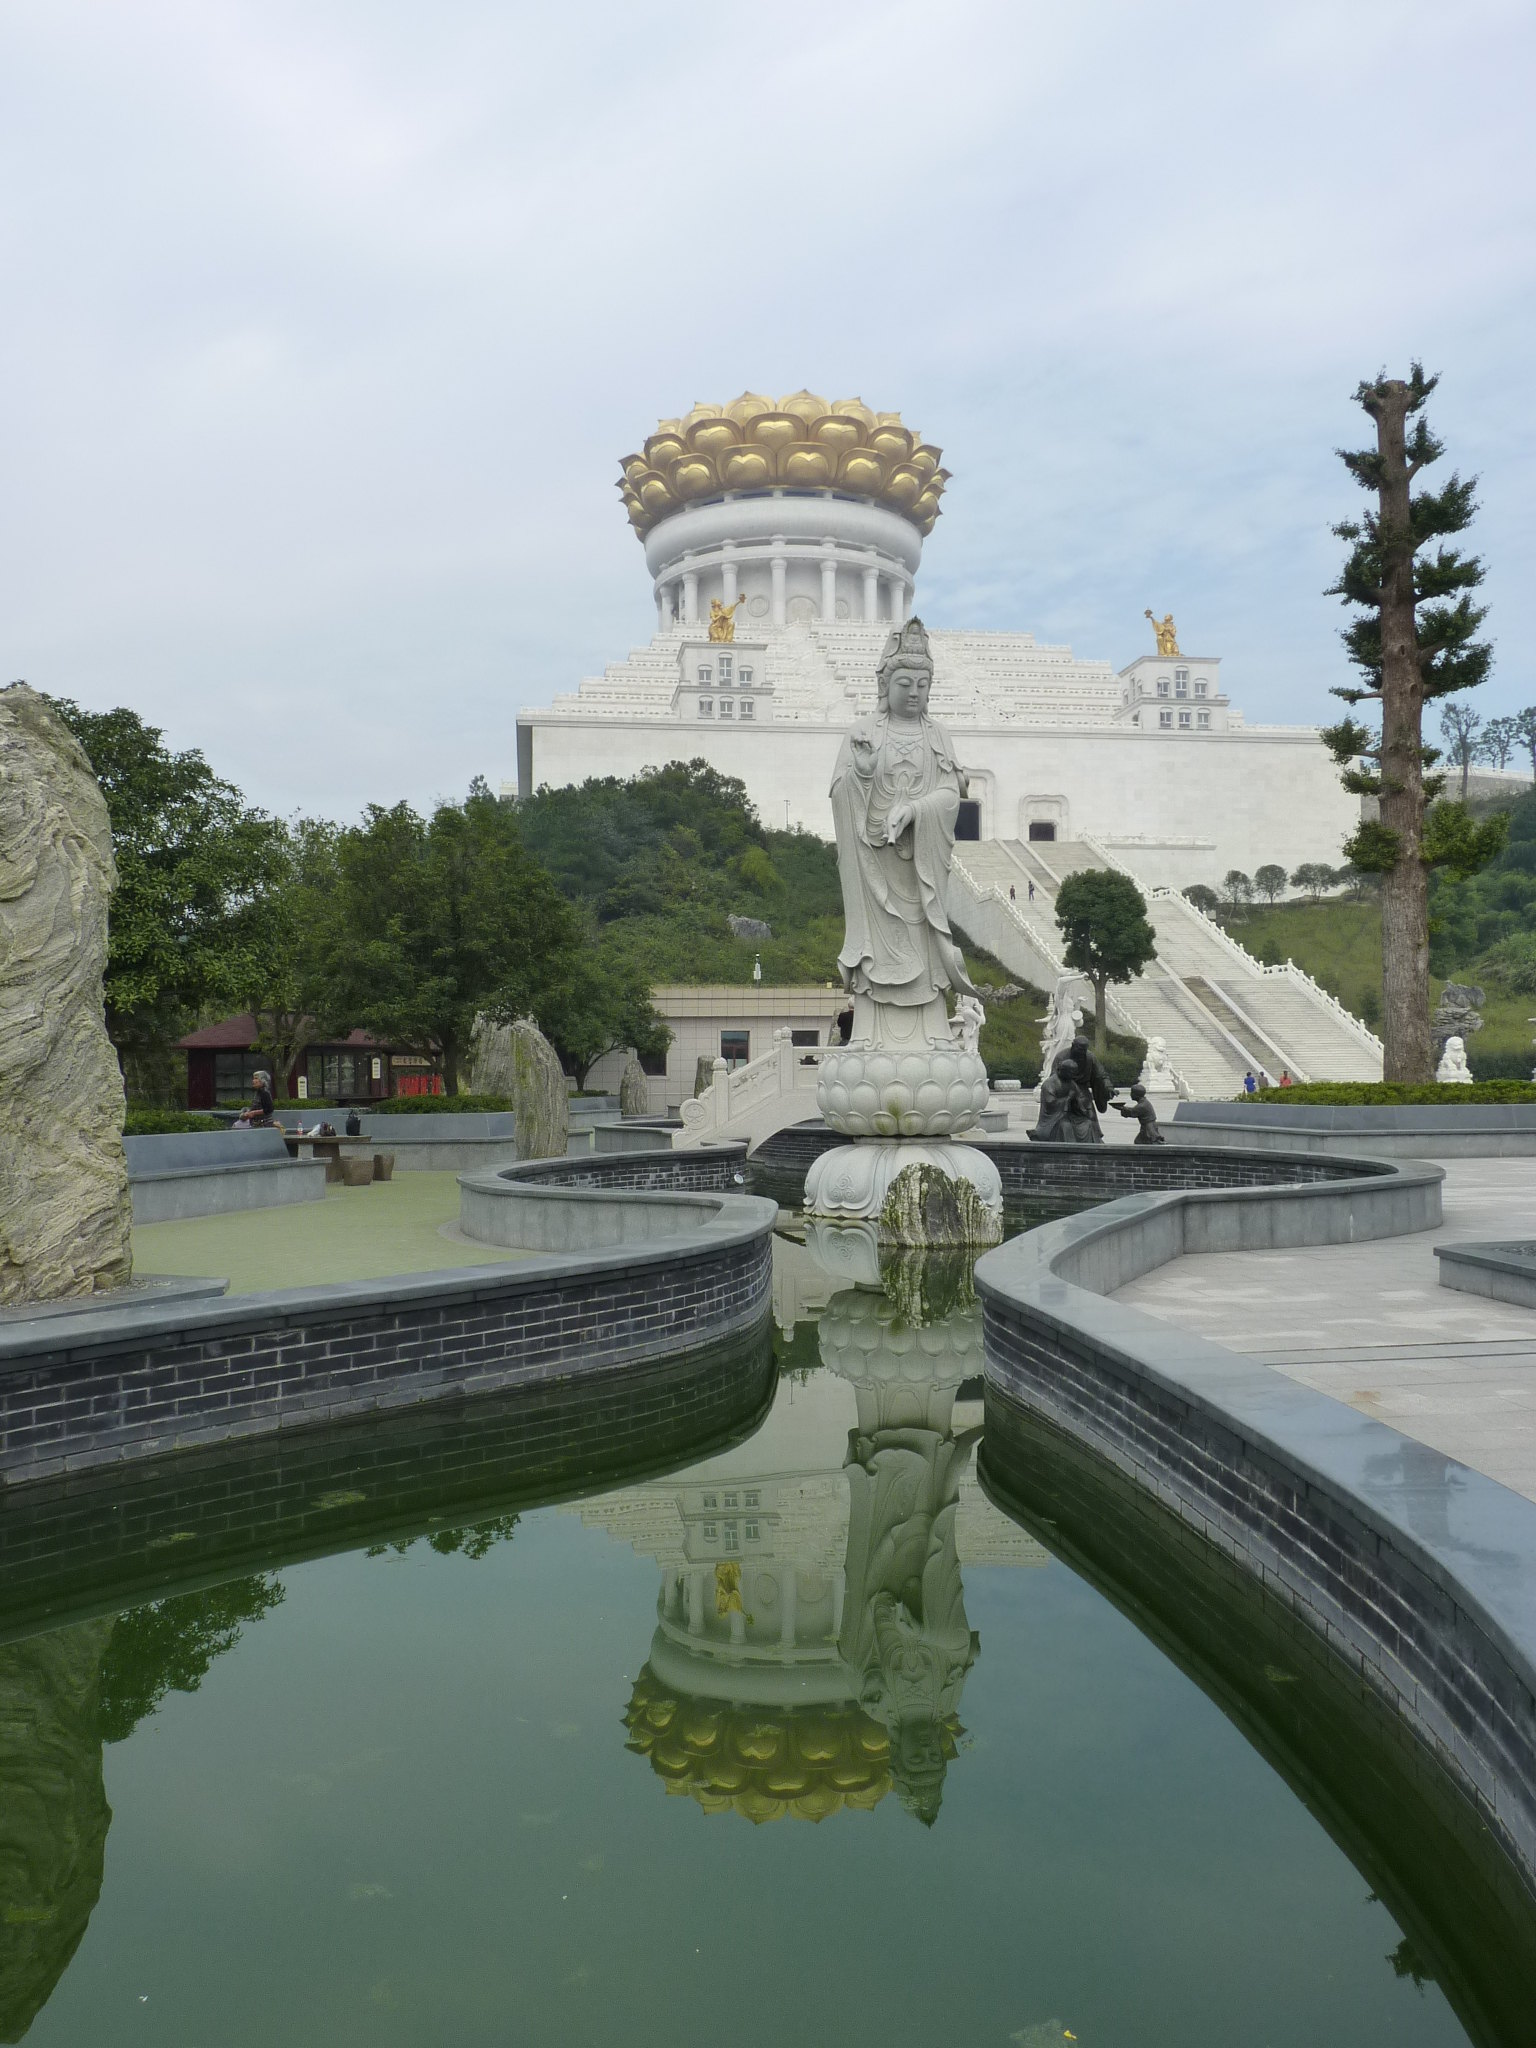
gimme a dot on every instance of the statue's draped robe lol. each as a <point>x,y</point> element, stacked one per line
<point>898,951</point>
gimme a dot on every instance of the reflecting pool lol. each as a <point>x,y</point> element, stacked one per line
<point>783,1732</point>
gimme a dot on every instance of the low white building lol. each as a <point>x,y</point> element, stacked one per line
<point>716,1020</point>
<point>805,521</point>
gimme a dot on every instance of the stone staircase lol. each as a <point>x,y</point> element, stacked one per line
<point>1221,1011</point>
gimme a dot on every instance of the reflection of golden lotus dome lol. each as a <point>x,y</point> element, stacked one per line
<point>804,1761</point>
<point>799,443</point>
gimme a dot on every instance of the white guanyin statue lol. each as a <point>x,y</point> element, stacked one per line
<point>906,1072</point>
<point>1453,1069</point>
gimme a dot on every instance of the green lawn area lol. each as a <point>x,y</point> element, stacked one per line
<point>392,1226</point>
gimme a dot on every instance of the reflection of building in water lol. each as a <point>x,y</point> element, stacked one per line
<point>53,1812</point>
<point>811,1641</point>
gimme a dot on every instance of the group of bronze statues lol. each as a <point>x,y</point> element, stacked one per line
<point>1074,1092</point>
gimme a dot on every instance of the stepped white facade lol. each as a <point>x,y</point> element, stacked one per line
<point>799,526</point>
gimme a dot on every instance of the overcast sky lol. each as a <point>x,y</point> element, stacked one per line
<point>325,326</point>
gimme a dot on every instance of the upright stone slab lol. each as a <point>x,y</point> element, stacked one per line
<point>540,1099</point>
<point>634,1092</point>
<point>490,1059</point>
<point>64,1207</point>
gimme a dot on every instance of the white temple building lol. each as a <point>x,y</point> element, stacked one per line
<point>798,525</point>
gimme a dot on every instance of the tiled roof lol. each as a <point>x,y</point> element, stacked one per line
<point>238,1034</point>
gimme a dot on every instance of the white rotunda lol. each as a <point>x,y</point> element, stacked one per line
<point>796,509</point>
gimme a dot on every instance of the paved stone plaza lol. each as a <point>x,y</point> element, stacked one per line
<point>1370,1324</point>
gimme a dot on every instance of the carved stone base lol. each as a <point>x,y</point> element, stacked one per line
<point>935,1090</point>
<point>915,1193</point>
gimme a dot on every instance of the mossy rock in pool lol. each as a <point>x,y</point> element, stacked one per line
<point>928,1207</point>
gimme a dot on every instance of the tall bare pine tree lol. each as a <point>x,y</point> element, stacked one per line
<point>1413,641</point>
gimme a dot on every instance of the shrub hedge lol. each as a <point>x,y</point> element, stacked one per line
<point>1394,1094</point>
<point>154,1123</point>
<point>436,1105</point>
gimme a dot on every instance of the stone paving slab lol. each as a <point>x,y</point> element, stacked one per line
<point>1370,1324</point>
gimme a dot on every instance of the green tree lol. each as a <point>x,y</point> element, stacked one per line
<point>1203,898</point>
<point>191,858</point>
<point>285,979</point>
<point>1269,880</point>
<point>1238,888</point>
<point>1461,728</point>
<point>168,1646</point>
<point>1500,738</point>
<point>1524,723</point>
<point>1414,641</point>
<point>1102,915</point>
<point>599,1003</point>
<point>441,918</point>
<point>1314,876</point>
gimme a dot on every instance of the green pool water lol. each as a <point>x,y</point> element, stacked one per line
<point>803,1742</point>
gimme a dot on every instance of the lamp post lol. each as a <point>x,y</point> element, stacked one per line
<point>757,966</point>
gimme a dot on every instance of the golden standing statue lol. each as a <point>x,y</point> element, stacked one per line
<point>1167,638</point>
<point>722,619</point>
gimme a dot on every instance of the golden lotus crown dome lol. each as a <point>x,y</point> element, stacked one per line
<point>801,443</point>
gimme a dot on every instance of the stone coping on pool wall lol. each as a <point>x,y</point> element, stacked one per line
<point>1503,1272</point>
<point>1429,1130</point>
<point>1416,1571</point>
<point>609,1283</point>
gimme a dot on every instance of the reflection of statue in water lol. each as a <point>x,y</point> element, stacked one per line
<point>905,1637</point>
<point>1167,638</point>
<point>722,619</point>
<point>896,793</point>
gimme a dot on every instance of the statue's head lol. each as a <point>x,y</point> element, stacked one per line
<point>715,607</point>
<point>905,673</point>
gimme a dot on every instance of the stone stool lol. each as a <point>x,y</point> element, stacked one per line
<point>355,1172</point>
<point>383,1165</point>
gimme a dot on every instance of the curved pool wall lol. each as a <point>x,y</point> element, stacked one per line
<point>1431,1130</point>
<point>1419,1844</point>
<point>90,1543</point>
<point>609,1285</point>
<point>1417,1573</point>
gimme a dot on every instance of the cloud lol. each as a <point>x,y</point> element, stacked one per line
<point>325,331</point>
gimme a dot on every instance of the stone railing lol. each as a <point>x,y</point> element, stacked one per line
<point>753,1101</point>
<point>1118,1014</point>
<point>1249,962</point>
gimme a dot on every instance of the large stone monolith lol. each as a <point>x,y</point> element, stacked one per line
<point>490,1058</point>
<point>634,1089</point>
<point>64,1207</point>
<point>540,1099</point>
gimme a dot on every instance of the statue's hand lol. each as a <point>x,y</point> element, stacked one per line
<point>897,821</point>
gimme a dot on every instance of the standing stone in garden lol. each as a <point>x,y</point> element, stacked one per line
<point>703,1074</point>
<point>634,1091</point>
<point>490,1058</point>
<point>64,1206</point>
<point>540,1099</point>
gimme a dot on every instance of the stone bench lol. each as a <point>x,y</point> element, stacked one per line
<point>177,1174</point>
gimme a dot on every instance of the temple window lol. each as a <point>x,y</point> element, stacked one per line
<point>1165,718</point>
<point>746,707</point>
<point>1183,721</point>
<point>706,707</point>
<point>744,677</point>
<point>706,673</point>
<point>709,1501</point>
<point>725,707</point>
<point>711,1532</point>
<point>1200,686</point>
<point>752,1499</point>
<point>735,1046</point>
<point>732,1540</point>
<point>725,670</point>
<point>751,1532</point>
<point>1162,686</point>
<point>1181,682</point>
<point>731,1501</point>
<point>1203,718</point>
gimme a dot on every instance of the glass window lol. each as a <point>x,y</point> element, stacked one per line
<point>706,673</point>
<point>725,669</point>
<point>725,707</point>
<point>711,1532</point>
<point>1199,686</point>
<point>735,1047</point>
<point>732,1501</point>
<point>709,1501</point>
<point>751,1532</point>
<point>1202,718</point>
<point>1162,686</point>
<point>744,675</point>
<point>706,707</point>
<point>1181,685</point>
<point>732,1540</point>
<point>751,1498</point>
<point>234,1075</point>
<point>653,1063</point>
<point>746,708</point>
<point>1183,720</point>
<point>1165,718</point>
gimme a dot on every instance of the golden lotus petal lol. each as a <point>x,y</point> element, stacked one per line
<point>904,485</point>
<point>861,469</point>
<point>894,441</point>
<point>816,1805</point>
<point>713,437</point>
<point>760,1743</point>
<point>808,467</point>
<point>804,406</point>
<point>833,431</point>
<point>660,449</point>
<point>873,1740</point>
<point>774,430</point>
<point>867,1800</point>
<point>727,1777</point>
<point>744,469</point>
<point>853,409</point>
<point>819,1742</point>
<point>671,1758</point>
<point>693,476</point>
<point>758,1807</point>
<point>748,406</point>
<point>787,1782</point>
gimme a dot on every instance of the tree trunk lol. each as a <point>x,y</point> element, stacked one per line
<point>1100,1014</point>
<point>450,1065</point>
<point>1466,763</point>
<point>1405,887</point>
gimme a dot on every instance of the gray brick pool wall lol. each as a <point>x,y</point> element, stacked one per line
<point>1418,1572</point>
<point>103,1387</point>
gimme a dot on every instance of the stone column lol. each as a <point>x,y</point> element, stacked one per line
<point>663,607</point>
<point>691,597</point>
<point>871,597</point>
<point>777,565</point>
<point>828,587</point>
<point>893,590</point>
<point>728,576</point>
